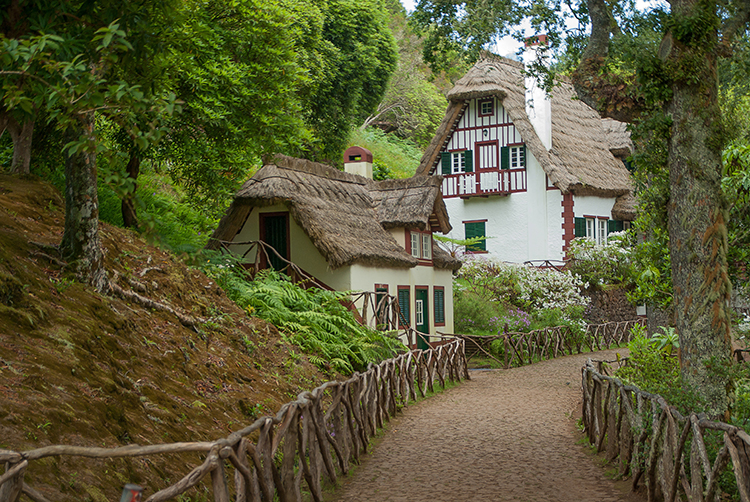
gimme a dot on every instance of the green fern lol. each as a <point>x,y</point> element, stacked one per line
<point>313,319</point>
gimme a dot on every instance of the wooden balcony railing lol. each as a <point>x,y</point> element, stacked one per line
<point>485,182</point>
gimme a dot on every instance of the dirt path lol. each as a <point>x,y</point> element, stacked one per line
<point>505,435</point>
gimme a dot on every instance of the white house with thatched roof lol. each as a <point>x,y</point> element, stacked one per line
<point>526,171</point>
<point>350,232</point>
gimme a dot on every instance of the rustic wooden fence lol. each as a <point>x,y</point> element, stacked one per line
<point>654,443</point>
<point>314,438</point>
<point>549,343</point>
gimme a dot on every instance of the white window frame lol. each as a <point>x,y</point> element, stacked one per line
<point>418,312</point>
<point>602,233</point>
<point>591,229</point>
<point>458,162</point>
<point>427,246</point>
<point>517,156</point>
<point>415,244</point>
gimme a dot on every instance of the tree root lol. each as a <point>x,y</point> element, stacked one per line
<point>185,320</point>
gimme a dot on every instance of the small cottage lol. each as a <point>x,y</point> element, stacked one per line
<point>528,171</point>
<point>351,233</point>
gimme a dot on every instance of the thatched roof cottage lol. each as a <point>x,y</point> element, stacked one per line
<point>350,232</point>
<point>529,171</point>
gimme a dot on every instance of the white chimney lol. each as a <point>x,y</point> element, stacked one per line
<point>538,106</point>
<point>358,160</point>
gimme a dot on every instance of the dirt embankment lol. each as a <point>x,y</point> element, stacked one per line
<point>79,368</point>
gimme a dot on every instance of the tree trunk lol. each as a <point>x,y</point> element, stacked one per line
<point>21,135</point>
<point>81,245</point>
<point>697,216</point>
<point>129,216</point>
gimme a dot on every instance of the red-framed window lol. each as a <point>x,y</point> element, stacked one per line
<point>486,107</point>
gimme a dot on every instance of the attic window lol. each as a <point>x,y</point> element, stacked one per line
<point>486,107</point>
<point>420,245</point>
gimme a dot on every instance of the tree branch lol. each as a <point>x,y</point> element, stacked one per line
<point>733,25</point>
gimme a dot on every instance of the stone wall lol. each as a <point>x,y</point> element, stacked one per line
<point>608,306</point>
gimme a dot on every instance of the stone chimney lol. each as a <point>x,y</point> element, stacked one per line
<point>358,160</point>
<point>538,106</point>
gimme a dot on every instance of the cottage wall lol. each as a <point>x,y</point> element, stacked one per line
<point>365,278</point>
<point>520,226</point>
<point>590,205</point>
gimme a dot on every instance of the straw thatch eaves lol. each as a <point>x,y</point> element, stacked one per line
<point>579,161</point>
<point>344,215</point>
<point>625,207</point>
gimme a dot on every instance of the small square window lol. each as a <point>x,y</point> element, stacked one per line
<point>486,107</point>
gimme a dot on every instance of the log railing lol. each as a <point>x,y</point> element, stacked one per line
<point>656,445</point>
<point>313,439</point>
<point>549,343</point>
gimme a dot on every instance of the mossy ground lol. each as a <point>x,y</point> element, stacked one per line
<point>79,368</point>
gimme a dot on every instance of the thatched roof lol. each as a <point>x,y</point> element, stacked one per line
<point>344,215</point>
<point>579,161</point>
<point>624,208</point>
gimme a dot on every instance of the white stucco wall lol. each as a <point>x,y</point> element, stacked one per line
<point>520,226</point>
<point>591,205</point>
<point>555,237</point>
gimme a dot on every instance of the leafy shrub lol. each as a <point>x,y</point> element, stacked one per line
<point>472,313</point>
<point>313,319</point>
<point>514,319</point>
<point>597,265</point>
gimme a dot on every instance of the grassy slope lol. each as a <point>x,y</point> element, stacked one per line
<point>84,369</point>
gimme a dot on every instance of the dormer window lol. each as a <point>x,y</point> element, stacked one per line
<point>421,245</point>
<point>486,107</point>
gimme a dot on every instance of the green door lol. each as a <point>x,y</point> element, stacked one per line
<point>421,315</point>
<point>274,230</point>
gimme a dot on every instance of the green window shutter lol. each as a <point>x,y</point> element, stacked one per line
<point>403,304</point>
<point>505,158</point>
<point>445,162</point>
<point>614,226</point>
<point>580,227</point>
<point>475,229</point>
<point>439,305</point>
<point>468,161</point>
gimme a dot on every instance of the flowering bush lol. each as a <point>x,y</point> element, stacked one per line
<point>600,264</point>
<point>488,295</point>
<point>524,287</point>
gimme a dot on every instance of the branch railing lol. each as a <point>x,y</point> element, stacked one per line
<point>655,444</point>
<point>313,439</point>
<point>548,343</point>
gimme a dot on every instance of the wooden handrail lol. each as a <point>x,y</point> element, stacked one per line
<point>318,435</point>
<point>548,343</point>
<point>649,437</point>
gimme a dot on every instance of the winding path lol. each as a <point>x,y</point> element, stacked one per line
<point>505,435</point>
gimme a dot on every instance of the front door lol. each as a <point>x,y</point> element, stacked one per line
<point>421,316</point>
<point>274,231</point>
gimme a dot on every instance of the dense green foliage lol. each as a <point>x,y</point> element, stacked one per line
<point>393,157</point>
<point>315,320</point>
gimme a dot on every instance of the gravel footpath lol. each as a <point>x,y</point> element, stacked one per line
<point>504,435</point>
